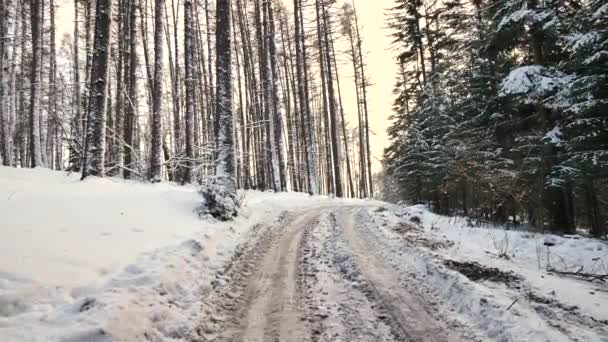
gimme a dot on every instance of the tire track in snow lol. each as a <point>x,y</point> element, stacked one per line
<point>339,304</point>
<point>256,299</point>
<point>413,318</point>
<point>312,276</point>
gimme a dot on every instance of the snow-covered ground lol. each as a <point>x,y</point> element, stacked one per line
<point>513,296</point>
<point>108,259</point>
<point>113,260</point>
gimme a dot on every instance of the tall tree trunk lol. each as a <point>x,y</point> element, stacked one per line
<point>225,161</point>
<point>54,122</point>
<point>362,179</point>
<point>335,144</point>
<point>342,121</point>
<point>76,144</point>
<point>210,84</point>
<point>365,110</point>
<point>156,159</point>
<point>143,18</point>
<point>177,121</point>
<point>277,119</point>
<point>130,74</point>
<point>291,111</point>
<point>329,180</point>
<point>5,141</point>
<point>190,91</point>
<point>35,82</point>
<point>120,92</point>
<point>306,118</point>
<point>23,118</point>
<point>96,135</point>
<point>243,174</point>
<point>14,98</point>
<point>87,70</point>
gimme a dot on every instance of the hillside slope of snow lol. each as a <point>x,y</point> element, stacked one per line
<point>108,259</point>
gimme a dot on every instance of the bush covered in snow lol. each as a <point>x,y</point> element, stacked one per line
<point>221,200</point>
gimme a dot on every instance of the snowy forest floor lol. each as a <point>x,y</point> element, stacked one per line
<point>113,260</point>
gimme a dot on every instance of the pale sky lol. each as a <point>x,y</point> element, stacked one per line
<point>381,67</point>
<point>381,70</point>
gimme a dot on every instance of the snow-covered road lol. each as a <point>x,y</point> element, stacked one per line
<point>314,275</point>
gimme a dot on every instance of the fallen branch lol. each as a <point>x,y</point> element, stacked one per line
<point>581,274</point>
<point>515,301</point>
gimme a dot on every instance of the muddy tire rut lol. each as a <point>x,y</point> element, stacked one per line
<point>311,276</point>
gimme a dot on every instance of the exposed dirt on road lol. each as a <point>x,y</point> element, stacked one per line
<point>313,275</point>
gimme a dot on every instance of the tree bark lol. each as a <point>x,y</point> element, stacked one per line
<point>335,145</point>
<point>96,135</point>
<point>190,91</point>
<point>130,74</point>
<point>156,159</point>
<point>365,110</point>
<point>306,118</point>
<point>35,81</point>
<point>277,117</point>
<point>55,123</point>
<point>225,161</point>
<point>5,141</point>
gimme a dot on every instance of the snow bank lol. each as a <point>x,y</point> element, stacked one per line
<point>562,308</point>
<point>60,231</point>
<point>112,260</point>
<point>528,256</point>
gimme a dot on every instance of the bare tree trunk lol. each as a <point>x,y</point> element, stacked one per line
<point>332,107</point>
<point>343,122</point>
<point>365,110</point>
<point>87,72</point>
<point>96,135</point>
<point>120,92</point>
<point>210,84</point>
<point>76,144</point>
<point>243,172</point>
<point>156,159</point>
<point>304,98</point>
<point>23,118</point>
<point>54,122</point>
<point>35,146</point>
<point>329,180</point>
<point>11,116</point>
<point>291,111</point>
<point>143,18</point>
<point>190,91</point>
<point>277,119</point>
<point>175,80</point>
<point>131,82</point>
<point>225,161</point>
<point>5,141</point>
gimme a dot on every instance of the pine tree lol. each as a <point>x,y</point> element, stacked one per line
<point>583,130</point>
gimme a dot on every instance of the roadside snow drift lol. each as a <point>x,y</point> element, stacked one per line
<point>502,283</point>
<point>108,259</point>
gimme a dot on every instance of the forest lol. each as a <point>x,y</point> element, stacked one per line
<point>501,111</point>
<point>138,90</point>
